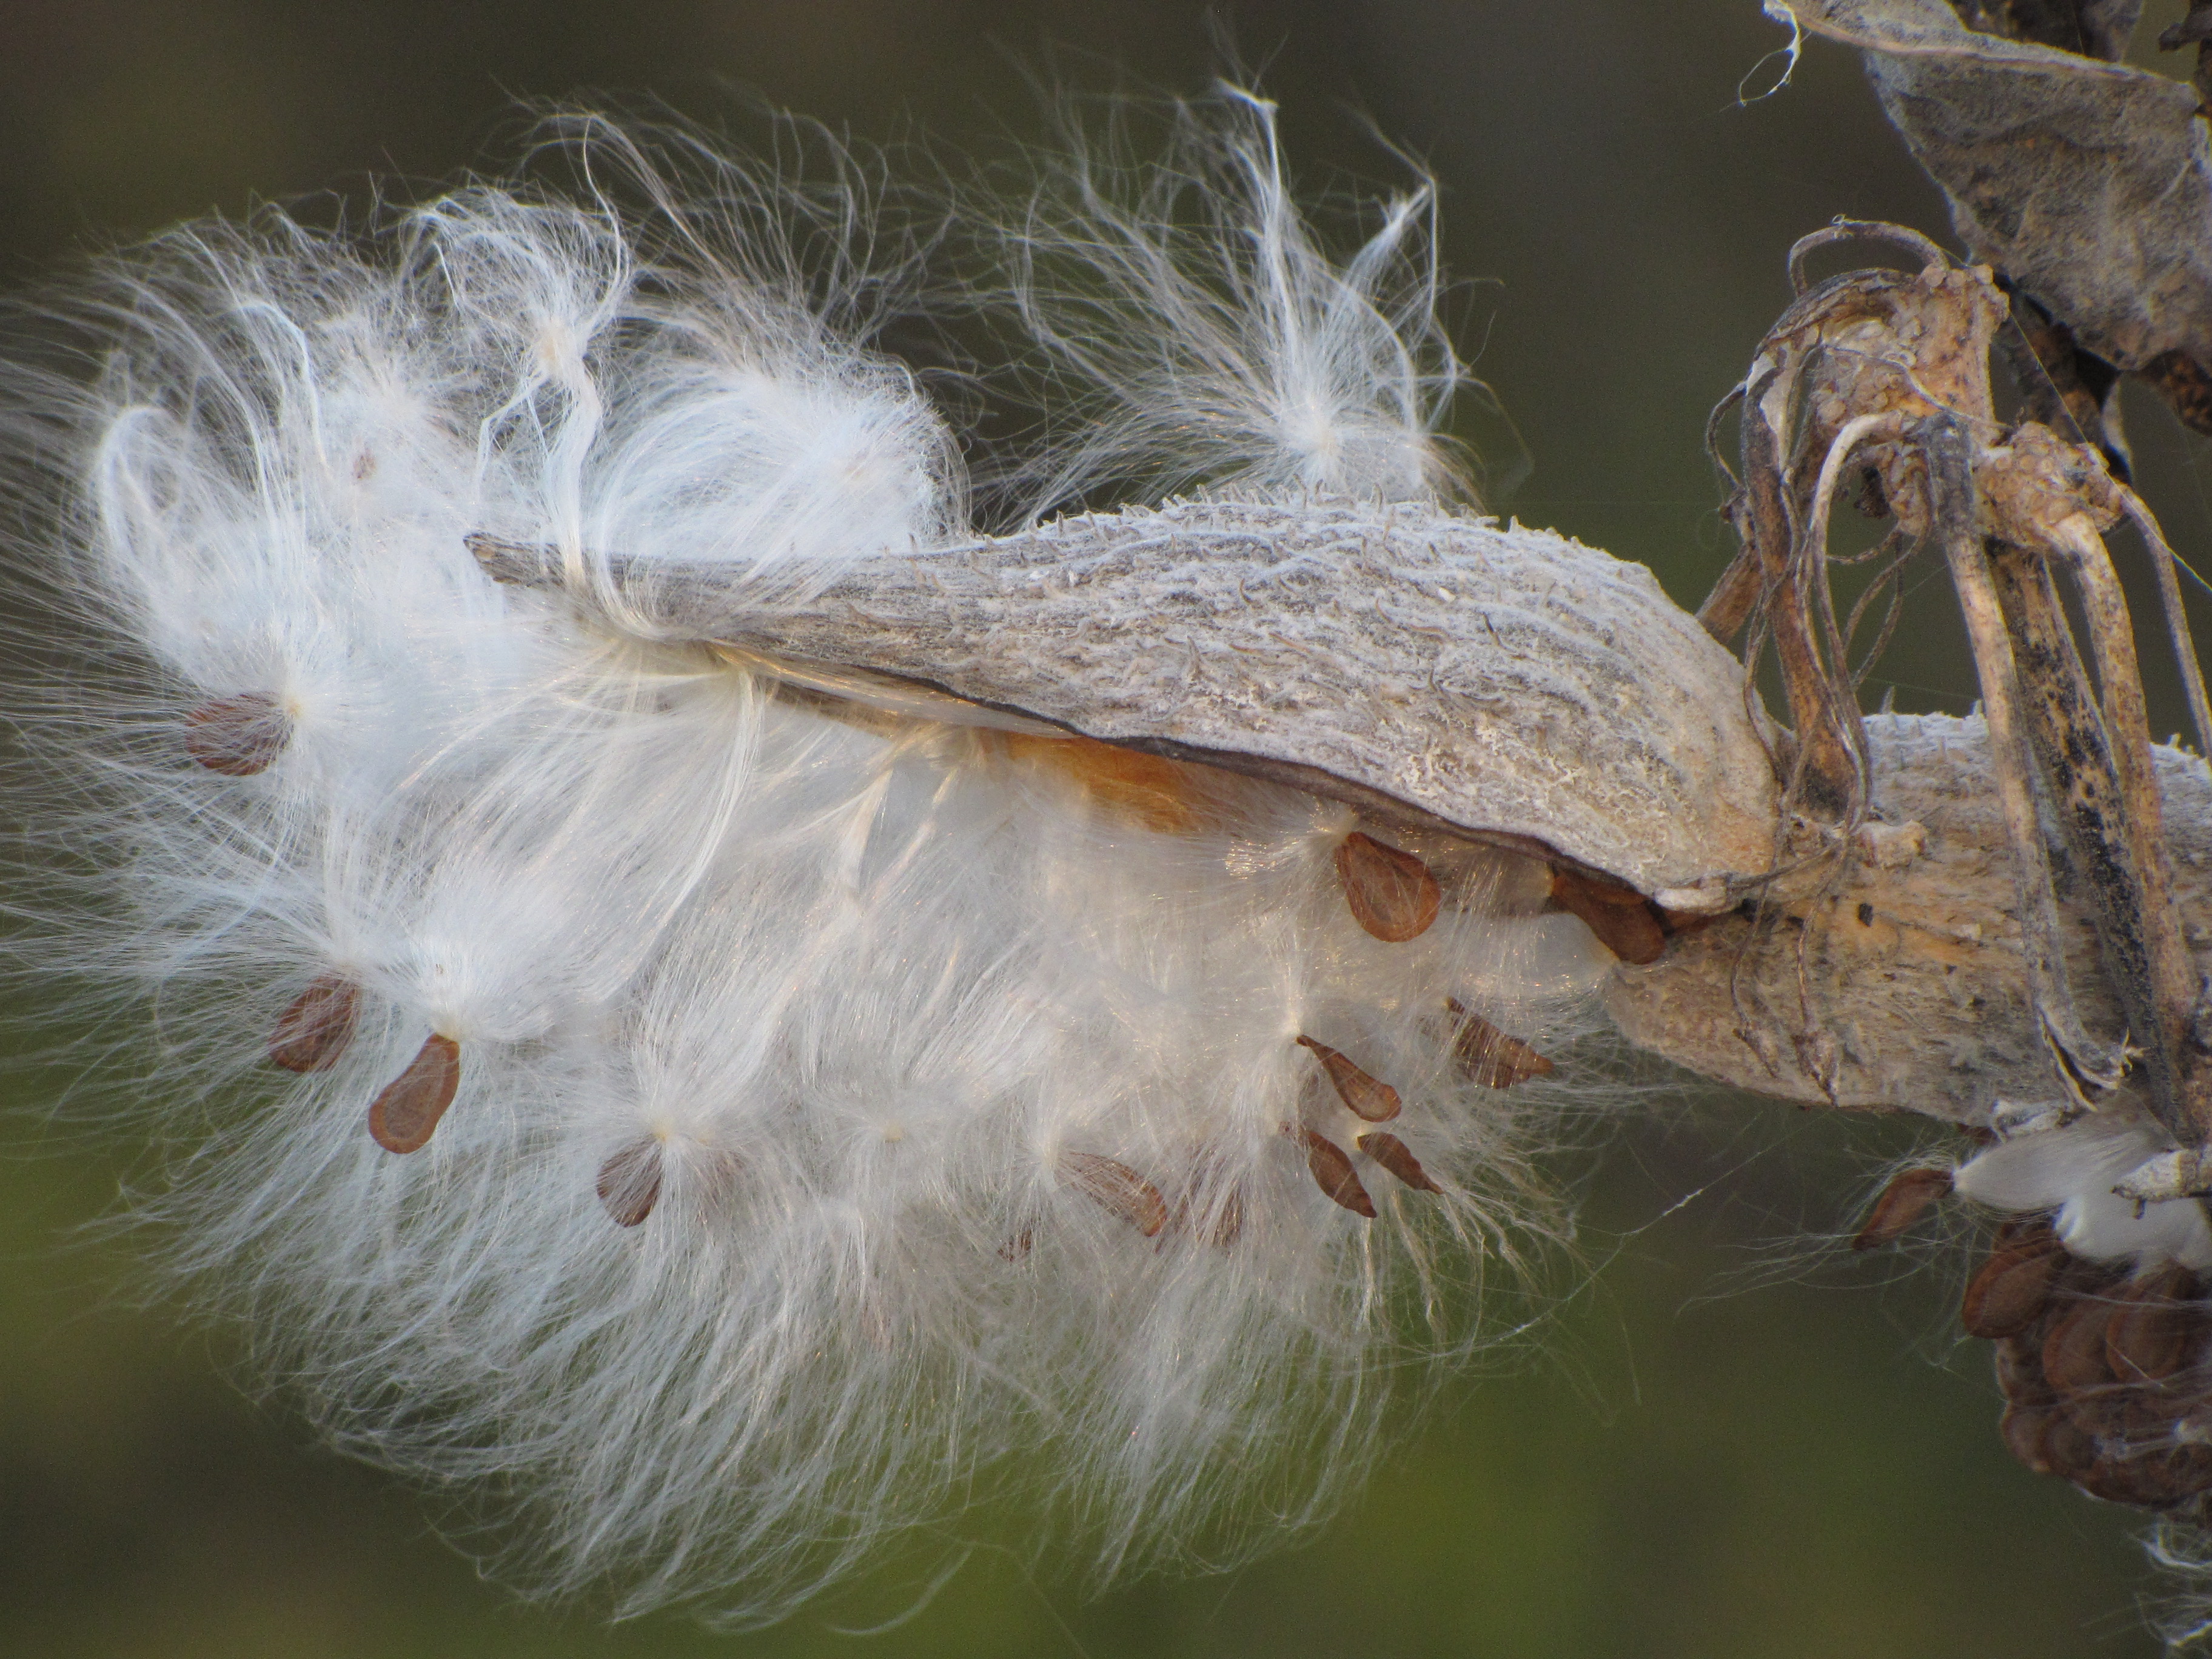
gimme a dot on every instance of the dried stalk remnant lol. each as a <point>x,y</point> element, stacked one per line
<point>316,1029</point>
<point>1117,1188</point>
<point>629,1181</point>
<point>1904,1201</point>
<point>1363,1094</point>
<point>1391,894</point>
<point>238,737</point>
<point>405,1116</point>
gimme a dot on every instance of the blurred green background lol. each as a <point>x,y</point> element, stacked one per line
<point>1729,1444</point>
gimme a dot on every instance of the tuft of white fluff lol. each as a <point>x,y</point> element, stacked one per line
<point>2072,1170</point>
<point>1194,330</point>
<point>908,1027</point>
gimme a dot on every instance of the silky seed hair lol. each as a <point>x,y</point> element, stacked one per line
<point>725,1127</point>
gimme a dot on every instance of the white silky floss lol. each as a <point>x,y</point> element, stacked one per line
<point>842,1108</point>
<point>2074,1170</point>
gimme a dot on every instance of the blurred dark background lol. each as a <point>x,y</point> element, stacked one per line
<point>1732,1444</point>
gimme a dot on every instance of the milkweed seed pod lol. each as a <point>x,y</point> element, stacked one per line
<point>702,993</point>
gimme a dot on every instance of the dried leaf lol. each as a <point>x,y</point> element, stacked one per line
<point>1117,1188</point>
<point>314,1030</point>
<point>405,1116</point>
<point>1333,1174</point>
<point>1396,1156</point>
<point>1378,1103</point>
<point>237,736</point>
<point>629,1181</point>
<point>1391,894</point>
<point>1903,1202</point>
<point>1488,1057</point>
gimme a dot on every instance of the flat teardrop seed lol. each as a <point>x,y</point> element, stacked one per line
<point>1117,1188</point>
<point>1488,1057</point>
<point>1333,1174</point>
<point>2150,1335</point>
<point>1396,1156</point>
<point>2022,1429</point>
<point>405,1116</point>
<point>629,1181</point>
<point>316,1029</point>
<point>2074,1352</point>
<point>1903,1202</point>
<point>1619,916</point>
<point>237,736</point>
<point>1391,893</point>
<point>2011,1288</point>
<point>1377,1102</point>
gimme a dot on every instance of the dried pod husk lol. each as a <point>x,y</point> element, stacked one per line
<point>1904,1201</point>
<point>628,1183</point>
<point>314,1031</point>
<point>1561,704</point>
<point>1396,1156</point>
<point>1489,1056</point>
<point>2012,1286</point>
<point>237,736</point>
<point>1390,893</point>
<point>1361,1094</point>
<point>1333,1174</point>
<point>1117,1189</point>
<point>405,1116</point>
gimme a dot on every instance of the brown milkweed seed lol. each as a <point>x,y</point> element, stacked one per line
<point>1017,1247</point>
<point>629,1181</point>
<point>1488,1057</point>
<point>2012,1287</point>
<point>314,1030</point>
<point>1903,1202</point>
<point>1619,916</point>
<point>237,736</point>
<point>1117,1188</point>
<point>1392,894</point>
<point>1396,1156</point>
<point>2074,1352</point>
<point>2150,1335</point>
<point>405,1116</point>
<point>1377,1102</point>
<point>1333,1174</point>
<point>2022,1429</point>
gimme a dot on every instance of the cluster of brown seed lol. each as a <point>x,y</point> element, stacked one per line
<point>2106,1370</point>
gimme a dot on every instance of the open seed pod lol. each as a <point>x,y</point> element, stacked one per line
<point>1437,672</point>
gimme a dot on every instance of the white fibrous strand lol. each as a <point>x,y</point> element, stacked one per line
<point>1186,316</point>
<point>724,1127</point>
